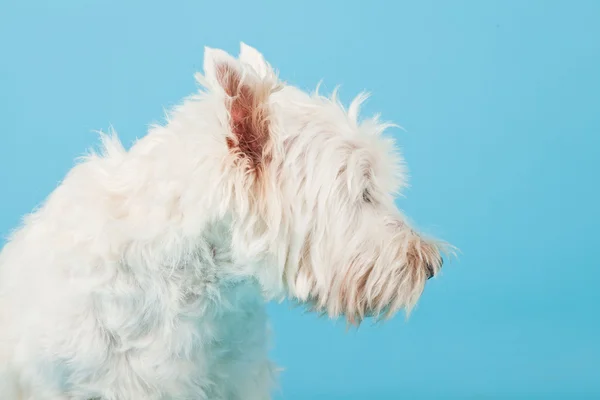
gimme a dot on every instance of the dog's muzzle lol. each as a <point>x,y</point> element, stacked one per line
<point>431,269</point>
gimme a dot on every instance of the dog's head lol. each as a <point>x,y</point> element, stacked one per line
<point>312,192</point>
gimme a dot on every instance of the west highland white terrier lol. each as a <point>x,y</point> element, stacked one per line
<point>144,275</point>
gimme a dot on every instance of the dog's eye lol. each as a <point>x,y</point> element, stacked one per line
<point>367,196</point>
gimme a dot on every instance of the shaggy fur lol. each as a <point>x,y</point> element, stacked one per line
<point>144,274</point>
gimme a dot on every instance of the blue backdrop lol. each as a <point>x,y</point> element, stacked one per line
<point>501,103</point>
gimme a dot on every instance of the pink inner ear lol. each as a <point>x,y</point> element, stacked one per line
<point>249,123</point>
<point>237,115</point>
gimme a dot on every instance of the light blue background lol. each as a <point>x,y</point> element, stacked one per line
<point>501,102</point>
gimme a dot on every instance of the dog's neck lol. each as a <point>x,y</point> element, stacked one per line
<point>175,192</point>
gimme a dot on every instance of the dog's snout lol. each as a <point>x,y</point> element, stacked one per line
<point>431,269</point>
<point>429,272</point>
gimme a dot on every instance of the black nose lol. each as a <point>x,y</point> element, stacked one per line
<point>429,272</point>
<point>431,269</point>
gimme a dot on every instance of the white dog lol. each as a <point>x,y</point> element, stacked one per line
<point>145,273</point>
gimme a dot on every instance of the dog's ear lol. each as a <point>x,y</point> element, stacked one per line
<point>246,95</point>
<point>213,58</point>
<point>249,55</point>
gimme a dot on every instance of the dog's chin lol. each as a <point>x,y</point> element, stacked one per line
<point>358,302</point>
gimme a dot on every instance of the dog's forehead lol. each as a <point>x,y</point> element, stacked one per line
<point>336,133</point>
<point>315,115</point>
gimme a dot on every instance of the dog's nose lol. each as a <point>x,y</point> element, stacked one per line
<point>431,270</point>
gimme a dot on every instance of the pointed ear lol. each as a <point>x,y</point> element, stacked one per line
<point>249,55</point>
<point>212,59</point>
<point>246,97</point>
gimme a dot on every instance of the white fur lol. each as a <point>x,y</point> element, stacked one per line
<point>144,274</point>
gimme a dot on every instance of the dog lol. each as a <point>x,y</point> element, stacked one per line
<point>145,273</point>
